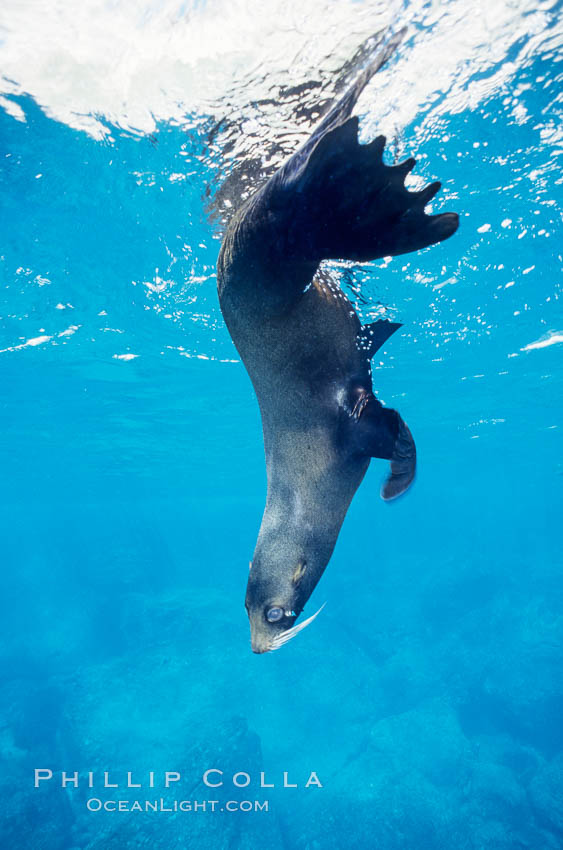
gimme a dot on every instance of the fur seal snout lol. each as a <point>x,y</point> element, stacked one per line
<point>307,353</point>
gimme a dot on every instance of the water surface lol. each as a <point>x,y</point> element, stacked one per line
<point>428,696</point>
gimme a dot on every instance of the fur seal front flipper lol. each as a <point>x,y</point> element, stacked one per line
<point>381,432</point>
<point>372,336</point>
<point>305,350</point>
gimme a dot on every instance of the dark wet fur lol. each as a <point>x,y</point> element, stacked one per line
<point>305,349</point>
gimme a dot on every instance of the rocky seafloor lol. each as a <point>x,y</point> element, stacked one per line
<point>441,727</point>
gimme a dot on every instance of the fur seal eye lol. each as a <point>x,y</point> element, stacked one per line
<point>274,614</point>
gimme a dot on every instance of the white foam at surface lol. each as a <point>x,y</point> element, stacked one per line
<point>29,343</point>
<point>553,339</point>
<point>132,63</point>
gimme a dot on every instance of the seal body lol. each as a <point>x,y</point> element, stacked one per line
<point>307,353</point>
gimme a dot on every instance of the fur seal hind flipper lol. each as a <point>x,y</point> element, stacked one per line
<point>342,201</point>
<point>372,336</point>
<point>333,199</point>
<point>347,204</point>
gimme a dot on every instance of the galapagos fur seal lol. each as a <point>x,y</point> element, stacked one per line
<point>306,351</point>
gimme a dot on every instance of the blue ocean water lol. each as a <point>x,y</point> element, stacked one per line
<point>428,696</point>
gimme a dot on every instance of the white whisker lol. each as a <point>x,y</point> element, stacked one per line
<point>288,635</point>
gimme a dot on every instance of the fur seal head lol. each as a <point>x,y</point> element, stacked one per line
<point>295,543</point>
<point>279,584</point>
<point>274,605</point>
